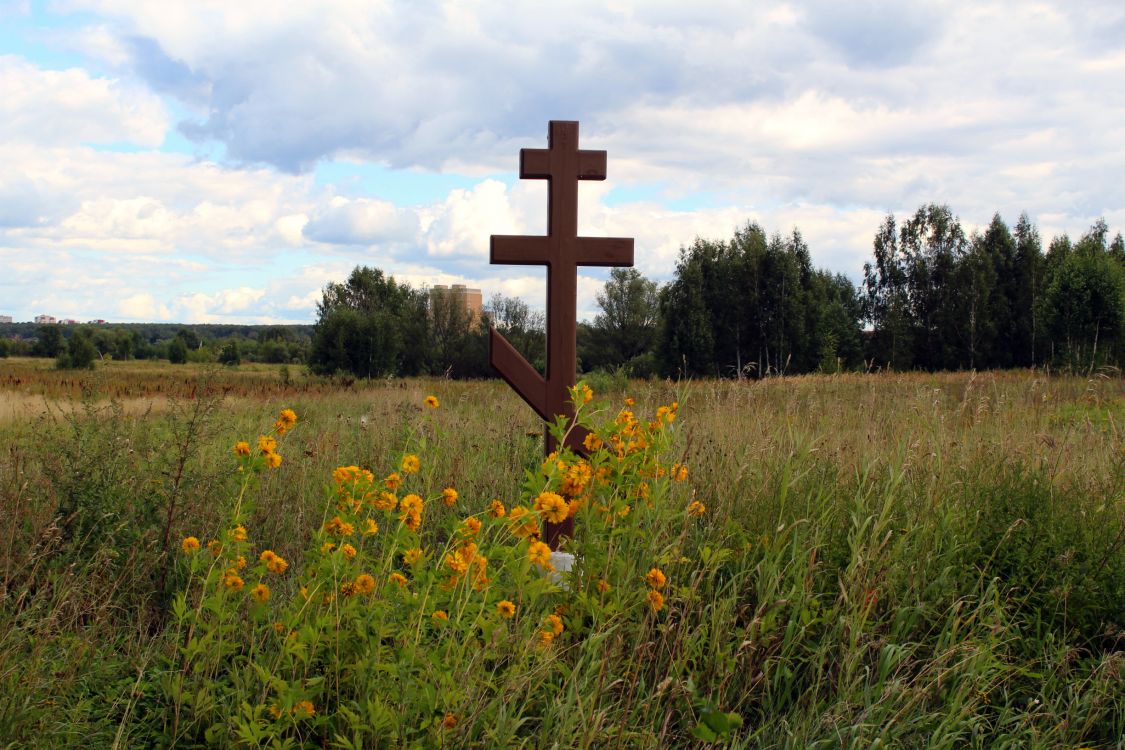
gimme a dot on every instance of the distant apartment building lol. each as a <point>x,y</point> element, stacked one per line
<point>5,318</point>
<point>470,298</point>
<point>45,320</point>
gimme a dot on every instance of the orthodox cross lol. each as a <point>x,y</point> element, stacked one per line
<point>561,250</point>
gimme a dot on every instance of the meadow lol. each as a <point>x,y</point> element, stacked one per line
<point>890,560</point>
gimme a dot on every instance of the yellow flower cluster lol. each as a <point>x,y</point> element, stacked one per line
<point>274,562</point>
<point>411,508</point>
<point>339,527</point>
<point>285,421</point>
<point>656,580</point>
<point>463,560</point>
<point>267,445</point>
<point>552,628</point>
<point>470,527</point>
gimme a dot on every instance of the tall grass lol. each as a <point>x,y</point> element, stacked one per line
<point>893,560</point>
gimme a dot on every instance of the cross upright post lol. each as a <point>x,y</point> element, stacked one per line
<point>562,251</point>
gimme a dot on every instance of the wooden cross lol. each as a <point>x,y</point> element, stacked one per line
<point>562,251</point>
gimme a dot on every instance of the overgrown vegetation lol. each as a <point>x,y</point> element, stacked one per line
<point>909,560</point>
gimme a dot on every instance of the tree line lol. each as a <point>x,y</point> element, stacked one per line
<point>932,297</point>
<point>80,346</point>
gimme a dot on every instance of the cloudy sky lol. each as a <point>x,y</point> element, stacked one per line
<point>221,161</point>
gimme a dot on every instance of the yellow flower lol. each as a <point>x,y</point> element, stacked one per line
<point>696,508</point>
<point>480,573</point>
<point>273,460</point>
<point>232,581</point>
<point>603,586</point>
<point>304,710</point>
<point>275,711</point>
<point>370,527</point>
<point>327,547</point>
<point>522,527</point>
<point>496,509</point>
<point>242,448</point>
<point>238,533</point>
<point>411,507</point>
<point>584,392</point>
<point>546,637</point>
<point>450,720</point>
<point>439,614</point>
<point>215,547</point>
<point>449,496</point>
<point>266,444</point>
<point>412,556</point>
<point>285,421</point>
<point>655,600</point>
<point>261,593</point>
<point>540,554</point>
<point>411,464</point>
<point>552,506</point>
<point>432,402</point>
<point>348,550</point>
<point>553,623</point>
<point>240,562</point>
<point>592,442</point>
<point>347,588</point>
<point>279,627</point>
<point>679,472</point>
<point>364,583</point>
<point>339,526</point>
<point>506,609</point>
<point>190,545</point>
<point>655,578</point>
<point>397,578</point>
<point>385,501</point>
<point>277,564</point>
<point>471,526</point>
<point>393,480</point>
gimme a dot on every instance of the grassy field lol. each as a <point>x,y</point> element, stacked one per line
<point>852,561</point>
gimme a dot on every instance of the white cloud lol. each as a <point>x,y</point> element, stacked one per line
<point>48,107</point>
<point>361,221</point>
<point>143,306</point>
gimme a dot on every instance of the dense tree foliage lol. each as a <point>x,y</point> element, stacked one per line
<point>755,306</point>
<point>938,300</point>
<point>373,326</point>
